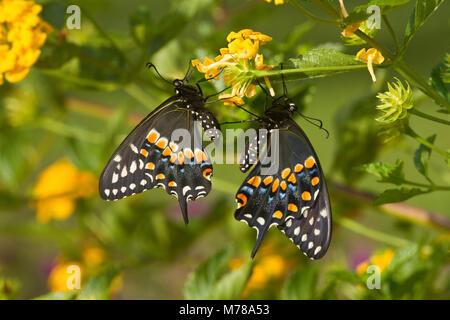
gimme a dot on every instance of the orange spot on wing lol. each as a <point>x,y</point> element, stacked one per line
<point>207,173</point>
<point>153,136</point>
<point>283,185</point>
<point>306,196</point>
<point>268,180</point>
<point>275,185</point>
<point>242,197</point>
<point>292,179</point>
<point>292,207</point>
<point>162,143</point>
<point>309,163</point>
<point>254,181</point>
<point>173,158</point>
<point>150,166</point>
<point>188,153</point>
<point>160,176</point>
<point>315,181</point>
<point>167,152</point>
<point>172,184</point>
<point>285,173</point>
<point>200,156</point>
<point>298,167</point>
<point>144,152</point>
<point>277,214</point>
<point>180,158</point>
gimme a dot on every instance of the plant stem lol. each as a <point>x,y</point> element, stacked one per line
<point>391,31</point>
<point>328,8</point>
<point>429,117</point>
<point>423,141</point>
<point>370,233</point>
<point>309,14</point>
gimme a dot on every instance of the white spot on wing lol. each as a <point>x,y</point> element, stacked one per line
<point>115,177</point>
<point>261,220</point>
<point>132,186</point>
<point>123,189</point>
<point>133,147</point>
<point>133,167</point>
<point>317,250</point>
<point>117,158</point>
<point>186,189</point>
<point>324,212</point>
<point>107,192</point>
<point>297,231</point>
<point>124,172</point>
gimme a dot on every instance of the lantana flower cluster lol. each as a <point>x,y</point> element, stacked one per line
<point>22,34</point>
<point>238,58</point>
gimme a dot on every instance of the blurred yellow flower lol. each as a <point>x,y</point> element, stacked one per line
<point>276,2</point>
<point>22,34</point>
<point>235,61</point>
<point>93,256</point>
<point>349,31</point>
<point>371,56</point>
<point>270,267</point>
<point>62,276</point>
<point>58,187</point>
<point>381,260</point>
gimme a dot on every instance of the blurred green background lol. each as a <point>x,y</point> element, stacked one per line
<point>82,97</point>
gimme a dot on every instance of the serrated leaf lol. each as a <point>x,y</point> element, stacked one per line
<point>231,285</point>
<point>301,284</point>
<point>98,287</point>
<point>422,10</point>
<point>422,155</point>
<point>60,295</point>
<point>200,283</point>
<point>397,195</point>
<point>360,12</point>
<point>387,173</point>
<point>440,79</point>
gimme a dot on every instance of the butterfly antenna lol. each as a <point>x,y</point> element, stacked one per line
<point>188,73</point>
<point>151,65</point>
<point>240,121</point>
<point>284,82</point>
<point>318,123</point>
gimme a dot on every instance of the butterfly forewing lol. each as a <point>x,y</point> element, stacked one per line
<point>294,198</point>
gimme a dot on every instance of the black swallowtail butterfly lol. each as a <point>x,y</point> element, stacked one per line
<point>149,158</point>
<point>295,198</point>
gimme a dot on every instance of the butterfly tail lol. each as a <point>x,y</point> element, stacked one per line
<point>183,206</point>
<point>259,240</point>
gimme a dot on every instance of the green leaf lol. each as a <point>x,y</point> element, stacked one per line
<point>70,295</point>
<point>440,78</point>
<point>231,285</point>
<point>422,10</point>
<point>301,284</point>
<point>98,287</point>
<point>387,173</point>
<point>315,63</point>
<point>397,195</point>
<point>360,12</point>
<point>200,283</point>
<point>422,155</point>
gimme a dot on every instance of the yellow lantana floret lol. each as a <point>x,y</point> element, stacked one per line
<point>371,57</point>
<point>22,34</point>
<point>276,2</point>
<point>58,187</point>
<point>240,56</point>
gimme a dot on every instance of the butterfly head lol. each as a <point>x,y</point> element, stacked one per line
<point>188,92</point>
<point>281,108</point>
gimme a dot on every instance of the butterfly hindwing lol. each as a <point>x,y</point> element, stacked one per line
<point>294,198</point>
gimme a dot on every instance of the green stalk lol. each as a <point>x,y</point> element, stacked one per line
<point>310,15</point>
<point>372,234</point>
<point>429,117</point>
<point>410,132</point>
